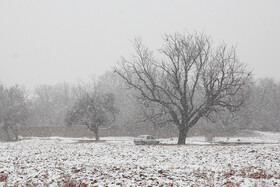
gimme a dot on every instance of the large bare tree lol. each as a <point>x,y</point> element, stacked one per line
<point>189,77</point>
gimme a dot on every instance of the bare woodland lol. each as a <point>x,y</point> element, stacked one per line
<point>190,82</point>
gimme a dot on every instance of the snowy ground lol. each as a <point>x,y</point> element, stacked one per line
<point>118,162</point>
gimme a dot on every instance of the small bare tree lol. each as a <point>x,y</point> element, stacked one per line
<point>92,110</point>
<point>190,78</point>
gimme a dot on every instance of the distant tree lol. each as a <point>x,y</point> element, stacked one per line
<point>92,110</point>
<point>130,113</point>
<point>51,103</point>
<point>190,80</point>
<point>237,120</point>
<point>13,110</point>
<point>266,104</point>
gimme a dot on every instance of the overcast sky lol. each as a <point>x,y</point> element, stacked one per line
<point>51,41</point>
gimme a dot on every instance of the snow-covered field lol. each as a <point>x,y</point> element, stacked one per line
<point>118,162</point>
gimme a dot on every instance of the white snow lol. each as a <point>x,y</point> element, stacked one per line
<point>57,161</point>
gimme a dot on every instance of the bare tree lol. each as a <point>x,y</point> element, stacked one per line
<point>92,110</point>
<point>189,77</point>
<point>13,110</point>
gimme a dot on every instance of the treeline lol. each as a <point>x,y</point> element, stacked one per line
<point>49,105</point>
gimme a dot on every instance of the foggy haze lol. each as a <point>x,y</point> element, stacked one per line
<point>189,114</point>
<point>46,42</point>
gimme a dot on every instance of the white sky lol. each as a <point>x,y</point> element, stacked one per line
<point>51,41</point>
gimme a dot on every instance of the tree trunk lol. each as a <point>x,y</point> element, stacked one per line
<point>182,136</point>
<point>96,134</point>
<point>15,131</point>
<point>6,129</point>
